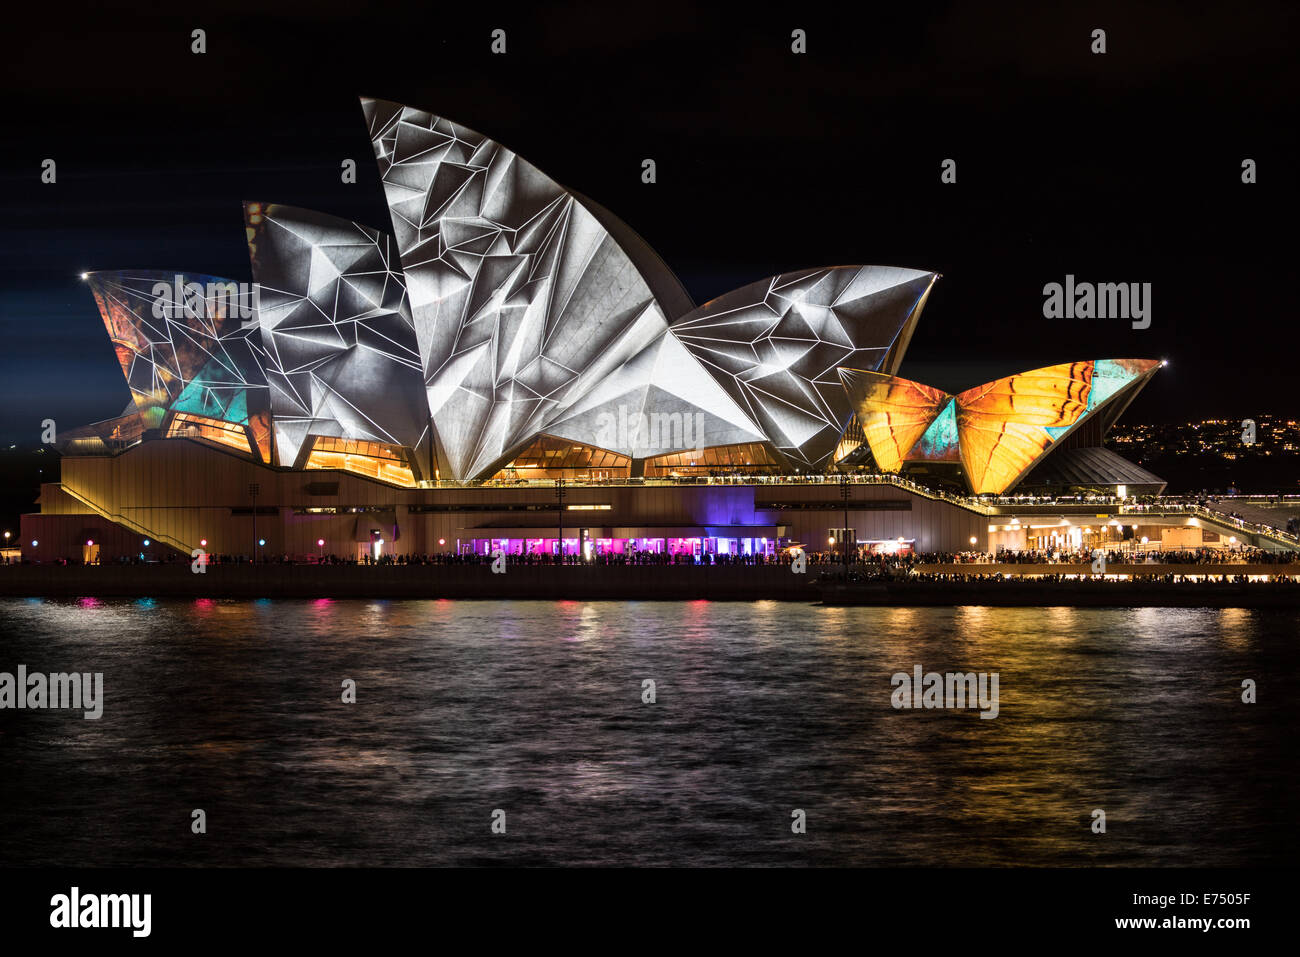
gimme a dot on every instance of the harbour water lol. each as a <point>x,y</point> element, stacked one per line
<point>537,709</point>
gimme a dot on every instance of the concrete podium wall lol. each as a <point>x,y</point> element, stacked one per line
<point>182,491</point>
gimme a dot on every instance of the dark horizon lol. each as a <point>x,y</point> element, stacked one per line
<point>1122,167</point>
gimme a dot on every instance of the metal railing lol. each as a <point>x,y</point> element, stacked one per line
<point>130,523</point>
<point>828,479</point>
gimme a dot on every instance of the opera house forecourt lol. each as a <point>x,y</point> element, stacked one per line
<point>506,365</point>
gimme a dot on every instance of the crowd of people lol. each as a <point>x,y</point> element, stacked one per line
<point>1190,556</point>
<point>863,560</point>
<point>1168,578</point>
<point>1081,556</point>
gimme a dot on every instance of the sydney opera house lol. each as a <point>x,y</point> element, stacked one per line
<point>420,388</point>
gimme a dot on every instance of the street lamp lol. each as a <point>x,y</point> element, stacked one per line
<point>845,491</point>
<point>320,544</point>
<point>559,518</point>
<point>253,489</point>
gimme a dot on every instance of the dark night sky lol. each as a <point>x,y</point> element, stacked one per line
<point>1117,168</point>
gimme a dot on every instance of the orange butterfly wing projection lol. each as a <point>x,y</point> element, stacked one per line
<point>1004,425</point>
<point>998,430</point>
<point>894,413</point>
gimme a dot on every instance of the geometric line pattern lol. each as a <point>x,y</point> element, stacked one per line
<point>517,290</point>
<point>341,355</point>
<point>776,347</point>
<point>187,344</point>
<point>525,303</point>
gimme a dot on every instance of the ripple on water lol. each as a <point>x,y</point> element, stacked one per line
<point>535,708</point>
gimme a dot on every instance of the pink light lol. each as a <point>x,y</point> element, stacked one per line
<point>320,541</point>
<point>203,542</point>
<point>89,542</point>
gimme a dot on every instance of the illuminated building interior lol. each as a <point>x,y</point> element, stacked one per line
<point>750,458</point>
<point>596,545</point>
<point>550,457</point>
<point>372,459</point>
<point>185,425</point>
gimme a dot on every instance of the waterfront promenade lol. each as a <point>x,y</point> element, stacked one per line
<point>1214,585</point>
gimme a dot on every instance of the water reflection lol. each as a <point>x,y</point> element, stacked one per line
<point>536,708</point>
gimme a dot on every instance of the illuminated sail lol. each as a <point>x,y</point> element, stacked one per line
<point>996,431</point>
<point>894,413</point>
